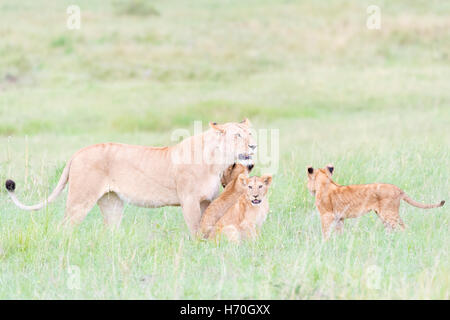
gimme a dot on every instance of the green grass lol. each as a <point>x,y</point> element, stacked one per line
<point>374,103</point>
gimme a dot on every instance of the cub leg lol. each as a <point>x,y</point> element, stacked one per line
<point>389,215</point>
<point>232,233</point>
<point>248,230</point>
<point>111,207</point>
<point>326,220</point>
<point>391,220</point>
<point>340,226</point>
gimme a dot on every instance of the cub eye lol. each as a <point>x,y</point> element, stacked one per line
<point>238,135</point>
<point>250,187</point>
<point>260,186</point>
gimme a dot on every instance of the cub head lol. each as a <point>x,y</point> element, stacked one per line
<point>256,187</point>
<point>233,171</point>
<point>235,139</point>
<point>318,176</point>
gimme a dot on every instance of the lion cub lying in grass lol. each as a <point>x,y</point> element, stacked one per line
<point>246,216</point>
<point>230,195</point>
<point>336,203</point>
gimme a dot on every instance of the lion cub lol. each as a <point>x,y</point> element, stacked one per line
<point>247,215</point>
<point>336,203</point>
<point>231,193</point>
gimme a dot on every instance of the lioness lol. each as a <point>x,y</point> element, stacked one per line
<point>186,175</point>
<point>336,203</point>
<point>246,216</point>
<point>227,198</point>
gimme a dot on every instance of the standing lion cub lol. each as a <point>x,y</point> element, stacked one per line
<point>336,203</point>
<point>246,216</point>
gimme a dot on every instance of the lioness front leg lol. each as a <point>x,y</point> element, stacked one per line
<point>192,214</point>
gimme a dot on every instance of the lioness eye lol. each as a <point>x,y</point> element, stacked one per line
<point>250,187</point>
<point>260,186</point>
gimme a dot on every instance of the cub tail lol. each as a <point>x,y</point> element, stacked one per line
<point>414,203</point>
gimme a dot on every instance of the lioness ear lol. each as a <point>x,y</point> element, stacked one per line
<point>267,178</point>
<point>246,122</point>
<point>310,170</point>
<point>217,127</point>
<point>330,168</point>
<point>242,179</point>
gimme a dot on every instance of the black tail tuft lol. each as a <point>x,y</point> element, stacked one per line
<point>442,202</point>
<point>10,185</point>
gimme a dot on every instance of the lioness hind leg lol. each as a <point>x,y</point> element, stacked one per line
<point>81,198</point>
<point>77,209</point>
<point>111,207</point>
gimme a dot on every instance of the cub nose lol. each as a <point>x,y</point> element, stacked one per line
<point>255,196</point>
<point>252,146</point>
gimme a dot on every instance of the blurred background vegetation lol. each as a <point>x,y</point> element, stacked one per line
<point>140,65</point>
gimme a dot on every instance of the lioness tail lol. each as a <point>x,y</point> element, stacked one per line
<point>11,187</point>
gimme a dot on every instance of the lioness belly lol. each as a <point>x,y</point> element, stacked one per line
<point>148,202</point>
<point>145,190</point>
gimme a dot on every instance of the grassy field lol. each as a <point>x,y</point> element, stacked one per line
<point>375,103</point>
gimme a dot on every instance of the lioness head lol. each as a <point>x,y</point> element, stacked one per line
<point>256,187</point>
<point>235,139</point>
<point>318,176</point>
<point>233,171</point>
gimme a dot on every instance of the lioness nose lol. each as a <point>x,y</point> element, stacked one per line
<point>252,146</point>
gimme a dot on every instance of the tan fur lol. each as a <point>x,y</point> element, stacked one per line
<point>244,218</point>
<point>336,203</point>
<point>227,198</point>
<point>111,173</point>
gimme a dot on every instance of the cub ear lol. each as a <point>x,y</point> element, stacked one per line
<point>246,122</point>
<point>267,178</point>
<point>242,178</point>
<point>217,127</point>
<point>310,170</point>
<point>330,168</point>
